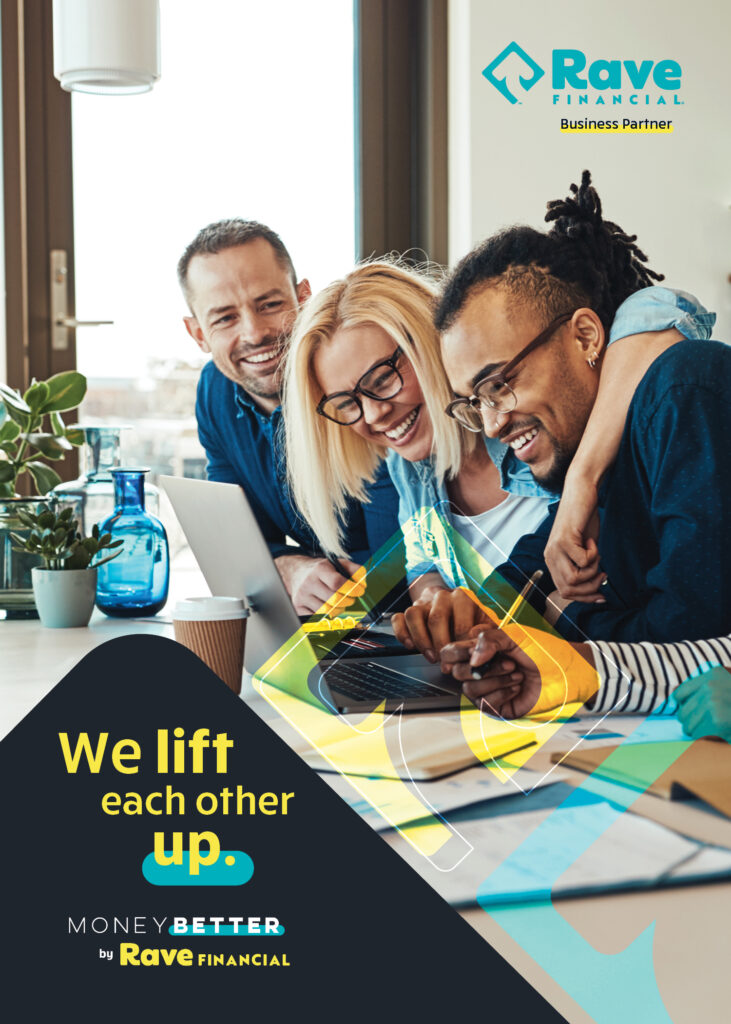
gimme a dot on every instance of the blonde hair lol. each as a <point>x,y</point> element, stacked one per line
<point>326,462</point>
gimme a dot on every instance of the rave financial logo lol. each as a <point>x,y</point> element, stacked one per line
<point>576,79</point>
<point>501,84</point>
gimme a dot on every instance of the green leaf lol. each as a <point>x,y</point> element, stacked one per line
<point>80,559</point>
<point>75,436</point>
<point>65,391</point>
<point>44,477</point>
<point>46,519</point>
<point>9,447</point>
<point>9,431</point>
<point>7,472</point>
<point>23,419</point>
<point>103,561</point>
<point>48,445</point>
<point>7,490</point>
<point>36,395</point>
<point>11,400</point>
<point>57,425</point>
<point>26,519</point>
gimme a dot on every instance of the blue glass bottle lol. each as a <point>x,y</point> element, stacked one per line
<point>135,583</point>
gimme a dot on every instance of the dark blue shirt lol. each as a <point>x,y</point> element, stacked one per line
<point>245,446</point>
<point>665,510</point>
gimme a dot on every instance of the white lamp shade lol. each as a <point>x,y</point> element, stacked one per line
<point>106,46</point>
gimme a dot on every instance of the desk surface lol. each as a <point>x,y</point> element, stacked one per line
<point>690,945</point>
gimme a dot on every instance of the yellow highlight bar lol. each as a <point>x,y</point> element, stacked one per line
<point>627,127</point>
<point>617,131</point>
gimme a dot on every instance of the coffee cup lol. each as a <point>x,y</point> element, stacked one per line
<point>214,628</point>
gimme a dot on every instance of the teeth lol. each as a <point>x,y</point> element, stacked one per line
<point>519,442</point>
<point>261,357</point>
<point>403,426</point>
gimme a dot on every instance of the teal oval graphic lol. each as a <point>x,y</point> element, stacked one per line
<point>232,867</point>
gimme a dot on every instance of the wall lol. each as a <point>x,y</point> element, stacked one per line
<point>673,191</point>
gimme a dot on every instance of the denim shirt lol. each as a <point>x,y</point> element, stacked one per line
<point>431,540</point>
<point>656,309</point>
<point>245,446</point>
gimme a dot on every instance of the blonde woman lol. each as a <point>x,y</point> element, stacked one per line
<point>364,382</point>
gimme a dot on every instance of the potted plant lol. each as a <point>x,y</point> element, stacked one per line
<point>32,433</point>
<point>66,588</point>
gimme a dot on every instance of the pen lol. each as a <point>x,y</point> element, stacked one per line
<point>477,673</point>
<point>337,566</point>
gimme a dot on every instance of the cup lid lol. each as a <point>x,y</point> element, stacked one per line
<point>197,609</point>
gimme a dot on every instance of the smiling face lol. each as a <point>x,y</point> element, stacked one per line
<point>244,304</point>
<point>555,387</point>
<point>401,422</point>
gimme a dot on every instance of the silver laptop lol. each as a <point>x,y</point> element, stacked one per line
<point>357,670</point>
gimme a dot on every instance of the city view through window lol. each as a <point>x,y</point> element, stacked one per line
<point>246,121</point>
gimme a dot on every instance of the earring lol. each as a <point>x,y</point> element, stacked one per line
<point>592,363</point>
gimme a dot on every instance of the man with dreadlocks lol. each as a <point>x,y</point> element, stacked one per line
<point>524,320</point>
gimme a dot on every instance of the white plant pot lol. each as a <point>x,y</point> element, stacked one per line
<point>64,597</point>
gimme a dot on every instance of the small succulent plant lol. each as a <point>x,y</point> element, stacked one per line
<point>55,537</point>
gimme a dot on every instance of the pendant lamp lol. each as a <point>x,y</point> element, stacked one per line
<point>106,46</point>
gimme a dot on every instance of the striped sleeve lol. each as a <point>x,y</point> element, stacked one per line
<point>641,677</point>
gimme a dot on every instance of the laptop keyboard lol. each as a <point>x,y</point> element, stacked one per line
<point>370,681</point>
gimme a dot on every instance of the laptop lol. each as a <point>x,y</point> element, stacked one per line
<point>359,671</point>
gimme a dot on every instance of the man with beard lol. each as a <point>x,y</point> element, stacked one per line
<point>524,319</point>
<point>242,291</point>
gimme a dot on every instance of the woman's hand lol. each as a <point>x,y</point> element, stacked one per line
<point>436,618</point>
<point>316,586</point>
<point>571,554</point>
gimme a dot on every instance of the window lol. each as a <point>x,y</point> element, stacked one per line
<point>253,117</point>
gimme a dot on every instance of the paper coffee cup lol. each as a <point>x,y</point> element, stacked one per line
<point>214,628</point>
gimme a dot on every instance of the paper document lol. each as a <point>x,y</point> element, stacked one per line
<point>460,790</point>
<point>418,747</point>
<point>631,852</point>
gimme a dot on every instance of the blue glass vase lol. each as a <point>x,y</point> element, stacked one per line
<point>136,583</point>
<point>95,487</point>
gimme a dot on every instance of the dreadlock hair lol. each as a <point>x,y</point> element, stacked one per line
<point>583,260</point>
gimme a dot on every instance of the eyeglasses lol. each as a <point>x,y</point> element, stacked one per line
<point>381,382</point>
<point>495,392</point>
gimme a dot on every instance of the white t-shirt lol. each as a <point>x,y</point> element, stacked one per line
<point>493,534</point>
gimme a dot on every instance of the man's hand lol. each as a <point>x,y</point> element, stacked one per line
<point>704,704</point>
<point>571,553</point>
<point>532,671</point>
<point>435,619</point>
<point>314,585</point>
<point>510,684</point>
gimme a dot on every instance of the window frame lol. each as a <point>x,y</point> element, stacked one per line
<point>38,196</point>
<point>401,128</point>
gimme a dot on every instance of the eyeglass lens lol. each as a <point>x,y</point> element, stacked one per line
<point>382,382</point>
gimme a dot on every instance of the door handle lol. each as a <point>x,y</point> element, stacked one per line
<point>72,323</point>
<point>61,322</point>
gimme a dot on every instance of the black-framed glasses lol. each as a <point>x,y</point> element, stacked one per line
<point>381,382</point>
<point>494,392</point>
